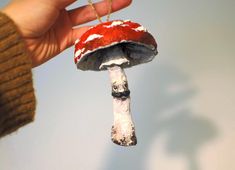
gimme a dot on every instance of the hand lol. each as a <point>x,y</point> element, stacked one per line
<point>48,28</point>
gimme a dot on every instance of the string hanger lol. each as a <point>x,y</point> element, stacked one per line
<point>96,13</point>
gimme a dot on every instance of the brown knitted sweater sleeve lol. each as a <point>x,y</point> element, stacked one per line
<point>17,100</point>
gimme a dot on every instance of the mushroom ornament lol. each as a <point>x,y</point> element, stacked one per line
<point>113,46</point>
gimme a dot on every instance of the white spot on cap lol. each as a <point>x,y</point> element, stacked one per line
<point>78,52</point>
<point>77,40</point>
<point>125,25</point>
<point>140,28</point>
<point>90,27</point>
<point>127,20</point>
<point>114,23</point>
<point>92,37</point>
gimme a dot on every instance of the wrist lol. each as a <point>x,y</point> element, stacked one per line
<point>16,87</point>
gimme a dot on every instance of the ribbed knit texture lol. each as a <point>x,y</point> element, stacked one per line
<point>17,100</point>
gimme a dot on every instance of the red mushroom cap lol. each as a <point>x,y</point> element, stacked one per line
<point>138,42</point>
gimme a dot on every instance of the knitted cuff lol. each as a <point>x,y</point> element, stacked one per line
<point>17,99</point>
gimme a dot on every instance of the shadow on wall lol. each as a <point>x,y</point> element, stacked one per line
<point>158,112</point>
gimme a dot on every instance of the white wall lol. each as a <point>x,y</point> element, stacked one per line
<point>182,102</point>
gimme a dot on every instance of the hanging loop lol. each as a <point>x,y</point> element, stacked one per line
<point>110,9</point>
<point>96,13</point>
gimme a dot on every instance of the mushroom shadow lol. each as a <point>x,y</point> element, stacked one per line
<point>186,134</point>
<point>162,109</point>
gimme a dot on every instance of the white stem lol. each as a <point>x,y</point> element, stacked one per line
<point>123,131</point>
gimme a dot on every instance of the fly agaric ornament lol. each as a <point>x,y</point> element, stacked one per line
<point>113,46</point>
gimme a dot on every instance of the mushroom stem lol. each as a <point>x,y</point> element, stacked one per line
<point>123,130</point>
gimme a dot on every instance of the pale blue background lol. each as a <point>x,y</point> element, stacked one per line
<point>182,102</point>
